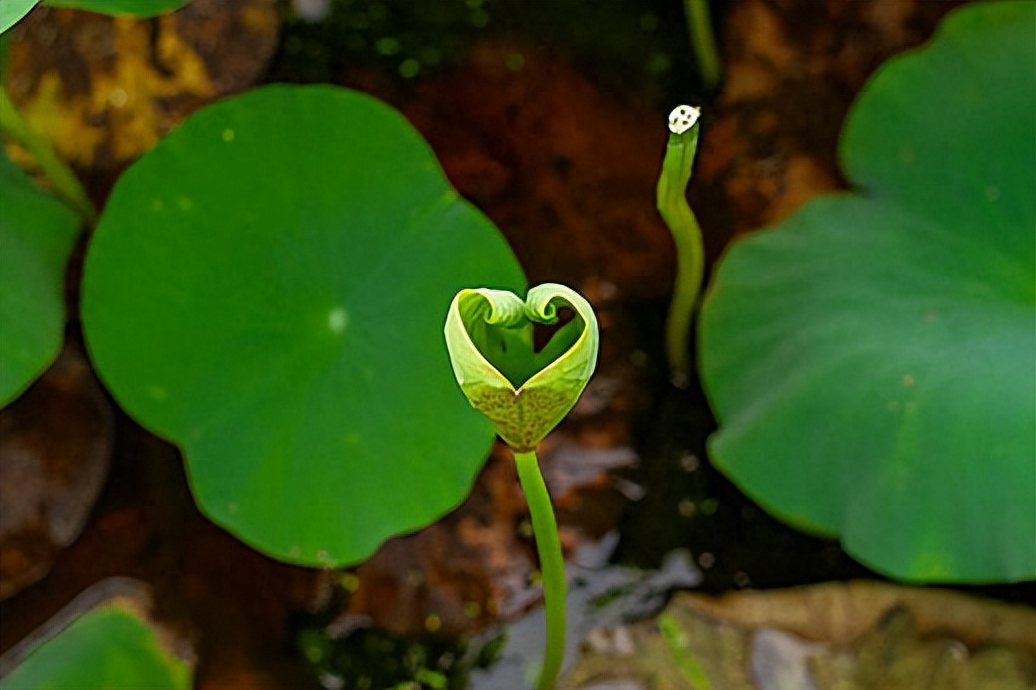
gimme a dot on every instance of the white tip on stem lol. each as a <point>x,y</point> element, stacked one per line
<point>683,118</point>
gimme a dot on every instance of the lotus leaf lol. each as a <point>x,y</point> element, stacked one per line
<point>36,236</point>
<point>871,359</point>
<point>111,646</point>
<point>285,328</point>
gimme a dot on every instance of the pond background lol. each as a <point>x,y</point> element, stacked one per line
<point>550,117</point>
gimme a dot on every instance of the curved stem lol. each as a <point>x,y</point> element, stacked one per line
<point>703,42</point>
<point>690,253</point>
<point>66,184</point>
<point>552,565</point>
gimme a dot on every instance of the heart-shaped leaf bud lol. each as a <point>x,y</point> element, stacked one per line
<point>489,334</point>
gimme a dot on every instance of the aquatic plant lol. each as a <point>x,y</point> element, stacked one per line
<point>36,229</point>
<point>870,359</point>
<point>102,639</point>
<point>489,336</point>
<point>36,236</point>
<point>13,10</point>
<point>283,329</point>
<point>703,41</point>
<point>671,201</point>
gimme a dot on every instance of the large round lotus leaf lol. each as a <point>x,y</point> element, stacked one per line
<point>36,236</point>
<point>872,360</point>
<point>111,646</point>
<point>267,288</point>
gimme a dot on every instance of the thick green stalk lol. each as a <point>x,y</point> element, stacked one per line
<point>690,253</point>
<point>66,184</point>
<point>699,22</point>
<point>552,565</point>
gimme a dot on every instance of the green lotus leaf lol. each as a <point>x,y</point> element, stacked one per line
<point>871,359</point>
<point>489,335</point>
<point>13,10</point>
<point>265,289</point>
<point>110,646</point>
<point>36,236</point>
<point>141,9</point>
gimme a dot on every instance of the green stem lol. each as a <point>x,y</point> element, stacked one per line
<point>699,22</point>
<point>552,565</point>
<point>680,649</point>
<point>690,253</point>
<point>66,184</point>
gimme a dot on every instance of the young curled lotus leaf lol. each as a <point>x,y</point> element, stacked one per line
<point>265,289</point>
<point>489,334</point>
<point>870,360</point>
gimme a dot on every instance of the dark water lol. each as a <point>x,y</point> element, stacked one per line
<point>690,504</point>
<point>638,45</point>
